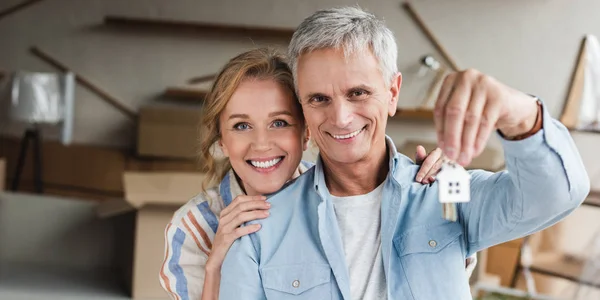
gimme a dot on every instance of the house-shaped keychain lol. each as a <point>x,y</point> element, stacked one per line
<point>454,183</point>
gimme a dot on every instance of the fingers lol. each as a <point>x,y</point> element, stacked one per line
<point>471,124</point>
<point>430,176</point>
<point>428,164</point>
<point>489,118</point>
<point>454,114</point>
<point>438,112</point>
<point>241,203</point>
<point>420,154</point>
<point>245,230</point>
<point>241,218</point>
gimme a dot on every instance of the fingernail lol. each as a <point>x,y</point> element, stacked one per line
<point>431,179</point>
<point>450,152</point>
<point>463,158</point>
<point>268,204</point>
<point>419,177</point>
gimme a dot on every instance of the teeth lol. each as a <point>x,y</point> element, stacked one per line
<point>347,136</point>
<point>265,164</point>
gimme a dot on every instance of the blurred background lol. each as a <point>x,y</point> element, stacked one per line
<point>100,101</point>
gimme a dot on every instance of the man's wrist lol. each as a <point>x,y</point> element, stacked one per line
<point>526,128</point>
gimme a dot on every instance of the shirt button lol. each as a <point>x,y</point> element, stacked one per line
<point>296,283</point>
<point>432,244</point>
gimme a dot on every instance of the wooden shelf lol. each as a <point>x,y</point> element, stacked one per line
<point>414,114</point>
<point>562,266</point>
<point>166,24</point>
<point>185,92</point>
<point>593,199</point>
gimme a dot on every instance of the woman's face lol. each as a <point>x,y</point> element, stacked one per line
<point>263,135</point>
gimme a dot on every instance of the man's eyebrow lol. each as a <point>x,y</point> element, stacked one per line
<point>280,112</point>
<point>360,87</point>
<point>238,116</point>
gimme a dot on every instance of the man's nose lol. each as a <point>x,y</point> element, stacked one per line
<point>341,114</point>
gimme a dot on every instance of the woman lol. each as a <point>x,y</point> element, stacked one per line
<point>254,117</point>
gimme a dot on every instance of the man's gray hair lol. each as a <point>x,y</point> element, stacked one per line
<point>349,28</point>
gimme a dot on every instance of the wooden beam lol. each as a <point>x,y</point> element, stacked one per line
<point>183,92</point>
<point>104,95</point>
<point>167,24</point>
<point>434,40</point>
<point>570,115</point>
<point>17,7</point>
<point>201,79</point>
<point>414,113</point>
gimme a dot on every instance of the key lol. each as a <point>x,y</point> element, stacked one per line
<point>453,187</point>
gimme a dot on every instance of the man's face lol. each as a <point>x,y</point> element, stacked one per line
<point>346,103</point>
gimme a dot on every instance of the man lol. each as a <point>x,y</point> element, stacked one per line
<point>355,226</point>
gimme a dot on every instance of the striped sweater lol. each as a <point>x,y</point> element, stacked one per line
<point>189,236</point>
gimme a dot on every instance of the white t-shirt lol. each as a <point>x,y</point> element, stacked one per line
<point>359,220</point>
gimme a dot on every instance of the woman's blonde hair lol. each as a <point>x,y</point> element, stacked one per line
<point>261,64</point>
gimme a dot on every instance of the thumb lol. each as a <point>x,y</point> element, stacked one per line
<point>420,154</point>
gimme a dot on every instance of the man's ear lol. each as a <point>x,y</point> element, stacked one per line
<point>306,139</point>
<point>395,94</point>
<point>223,148</point>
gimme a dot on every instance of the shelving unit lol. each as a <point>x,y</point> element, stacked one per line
<point>557,264</point>
<point>193,26</point>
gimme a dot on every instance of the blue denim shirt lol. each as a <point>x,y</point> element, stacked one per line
<point>298,254</point>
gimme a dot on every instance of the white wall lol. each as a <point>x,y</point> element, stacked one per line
<point>531,45</point>
<point>528,44</point>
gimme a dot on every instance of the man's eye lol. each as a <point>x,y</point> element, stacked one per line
<point>280,123</point>
<point>318,99</point>
<point>358,93</point>
<point>241,126</point>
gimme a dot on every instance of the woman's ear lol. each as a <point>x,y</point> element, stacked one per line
<point>306,139</point>
<point>223,148</point>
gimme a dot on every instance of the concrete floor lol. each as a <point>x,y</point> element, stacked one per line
<point>32,283</point>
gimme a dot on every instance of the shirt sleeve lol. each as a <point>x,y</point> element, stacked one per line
<point>183,269</point>
<point>544,181</point>
<point>240,277</point>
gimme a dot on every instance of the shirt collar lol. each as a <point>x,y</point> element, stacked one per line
<point>319,178</point>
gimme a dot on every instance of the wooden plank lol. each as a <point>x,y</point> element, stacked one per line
<point>104,95</point>
<point>593,199</point>
<point>184,92</point>
<point>17,7</point>
<point>562,266</point>
<point>432,38</point>
<point>414,114</point>
<point>167,24</point>
<point>201,79</point>
<point>571,109</point>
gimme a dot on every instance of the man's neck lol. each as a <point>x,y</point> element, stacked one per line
<point>357,178</point>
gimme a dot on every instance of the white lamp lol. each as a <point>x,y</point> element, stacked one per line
<point>40,98</point>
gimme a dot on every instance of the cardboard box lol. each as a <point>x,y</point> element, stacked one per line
<point>151,198</point>
<point>2,174</point>
<point>168,130</point>
<point>79,169</point>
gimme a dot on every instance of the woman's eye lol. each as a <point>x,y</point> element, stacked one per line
<point>241,126</point>
<point>280,123</point>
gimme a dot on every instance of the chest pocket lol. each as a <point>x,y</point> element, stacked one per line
<point>434,254</point>
<point>298,281</point>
